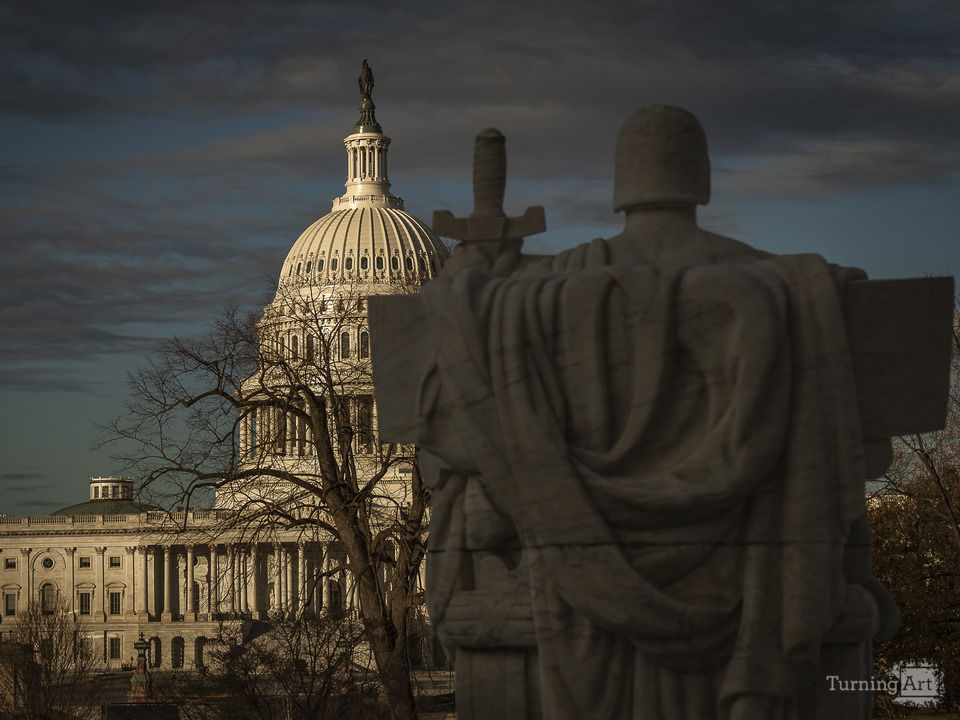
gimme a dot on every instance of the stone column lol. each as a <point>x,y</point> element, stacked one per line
<point>284,579</point>
<point>215,579</point>
<point>73,578</point>
<point>155,596</point>
<point>254,603</point>
<point>143,589</point>
<point>325,582</point>
<point>232,585</point>
<point>301,578</point>
<point>167,584</point>
<point>278,578</point>
<point>130,573</point>
<point>244,579</point>
<point>24,602</point>
<point>291,434</point>
<point>191,613</point>
<point>103,583</point>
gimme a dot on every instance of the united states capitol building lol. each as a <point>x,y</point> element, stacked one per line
<point>125,568</point>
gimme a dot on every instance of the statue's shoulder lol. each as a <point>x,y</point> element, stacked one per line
<point>592,254</point>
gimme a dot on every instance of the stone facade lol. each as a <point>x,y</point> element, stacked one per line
<point>132,573</point>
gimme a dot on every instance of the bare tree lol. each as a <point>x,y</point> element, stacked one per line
<point>915,520</point>
<point>276,417</point>
<point>308,667</point>
<point>49,665</point>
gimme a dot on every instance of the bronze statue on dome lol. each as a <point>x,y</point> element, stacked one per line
<point>366,80</point>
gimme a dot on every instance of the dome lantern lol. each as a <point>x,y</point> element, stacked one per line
<point>366,147</point>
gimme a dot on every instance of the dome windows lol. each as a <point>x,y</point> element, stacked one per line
<point>309,263</point>
<point>333,264</point>
<point>298,268</point>
<point>395,263</point>
<point>348,263</point>
<point>320,265</point>
<point>364,262</point>
<point>379,262</point>
<point>409,263</point>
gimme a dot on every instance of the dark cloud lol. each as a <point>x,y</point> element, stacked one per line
<point>21,476</point>
<point>34,380</point>
<point>160,160</point>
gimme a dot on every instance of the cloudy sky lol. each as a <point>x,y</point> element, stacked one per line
<point>158,164</point>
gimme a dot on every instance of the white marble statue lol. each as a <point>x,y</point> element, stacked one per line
<point>648,461</point>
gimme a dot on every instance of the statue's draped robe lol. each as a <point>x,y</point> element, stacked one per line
<point>676,449</point>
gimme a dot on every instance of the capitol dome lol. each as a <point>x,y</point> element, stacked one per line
<point>367,237</point>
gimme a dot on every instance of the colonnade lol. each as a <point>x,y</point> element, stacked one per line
<point>239,579</point>
<point>367,160</point>
<point>183,581</point>
<point>284,433</point>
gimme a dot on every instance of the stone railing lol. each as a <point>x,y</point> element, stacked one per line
<point>150,518</point>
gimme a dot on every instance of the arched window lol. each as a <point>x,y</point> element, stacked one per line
<point>348,263</point>
<point>283,347</point>
<point>320,265</point>
<point>295,347</point>
<point>298,268</point>
<point>309,264</point>
<point>364,433</point>
<point>379,262</point>
<point>309,348</point>
<point>409,263</point>
<point>336,598</point>
<point>395,262</point>
<point>422,266</point>
<point>155,652</point>
<point>364,344</point>
<point>333,264</point>
<point>364,262</point>
<point>176,652</point>
<point>48,598</point>
<point>344,345</point>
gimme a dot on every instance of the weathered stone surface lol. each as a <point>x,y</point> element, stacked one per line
<point>648,456</point>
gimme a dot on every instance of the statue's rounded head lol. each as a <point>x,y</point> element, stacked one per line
<point>661,160</point>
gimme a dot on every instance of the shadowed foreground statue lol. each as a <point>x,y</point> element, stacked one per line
<point>648,455</point>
